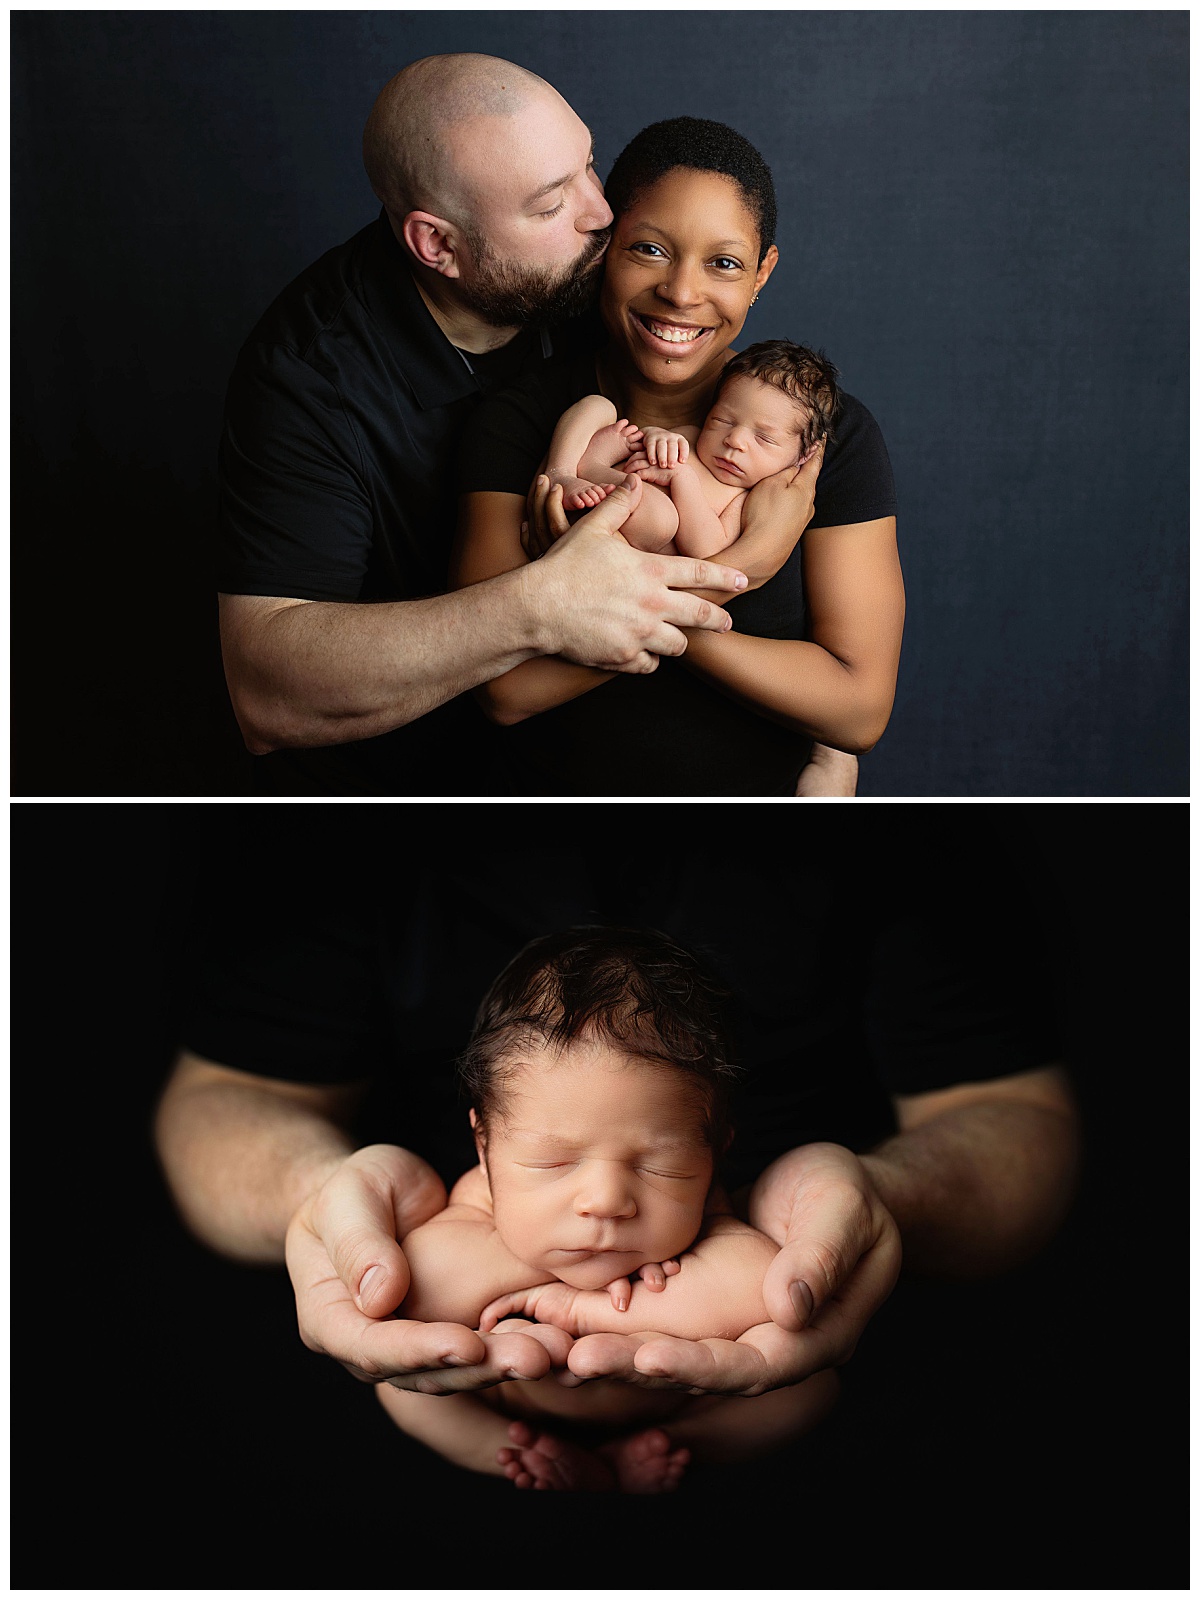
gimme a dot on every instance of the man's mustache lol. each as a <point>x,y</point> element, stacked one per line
<point>599,244</point>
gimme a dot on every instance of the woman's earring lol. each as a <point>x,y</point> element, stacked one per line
<point>753,297</point>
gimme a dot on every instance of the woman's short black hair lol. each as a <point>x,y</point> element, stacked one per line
<point>697,145</point>
<point>635,988</point>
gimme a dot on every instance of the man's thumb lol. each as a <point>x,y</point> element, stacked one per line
<point>357,1226</point>
<point>794,1288</point>
<point>612,511</point>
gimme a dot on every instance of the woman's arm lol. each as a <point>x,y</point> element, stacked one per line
<point>716,1294</point>
<point>837,686</point>
<point>489,543</point>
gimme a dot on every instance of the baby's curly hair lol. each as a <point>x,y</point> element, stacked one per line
<point>631,987</point>
<point>807,376</point>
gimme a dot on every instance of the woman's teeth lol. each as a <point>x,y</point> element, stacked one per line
<point>673,335</point>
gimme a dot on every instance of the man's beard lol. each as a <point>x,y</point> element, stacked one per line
<point>508,295</point>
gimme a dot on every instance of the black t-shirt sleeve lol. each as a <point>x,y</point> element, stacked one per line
<point>288,987</point>
<point>960,986</point>
<point>295,518</point>
<point>856,483</point>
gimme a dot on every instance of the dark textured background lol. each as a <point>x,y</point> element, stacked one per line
<point>172,1433</point>
<point>983,221</point>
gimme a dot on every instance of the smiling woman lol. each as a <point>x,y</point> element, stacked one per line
<point>814,648</point>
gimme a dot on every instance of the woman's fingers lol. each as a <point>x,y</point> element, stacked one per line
<point>546,520</point>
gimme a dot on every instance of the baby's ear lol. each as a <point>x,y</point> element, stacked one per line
<point>480,1140</point>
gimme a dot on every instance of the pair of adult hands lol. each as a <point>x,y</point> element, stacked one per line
<point>838,1261</point>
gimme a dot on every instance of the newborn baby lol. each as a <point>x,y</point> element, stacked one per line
<point>775,403</point>
<point>599,1095</point>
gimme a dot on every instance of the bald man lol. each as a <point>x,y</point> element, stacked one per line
<point>349,667</point>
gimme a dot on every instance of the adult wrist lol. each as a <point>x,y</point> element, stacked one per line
<point>536,630</point>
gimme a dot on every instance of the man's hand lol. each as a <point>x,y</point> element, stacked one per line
<point>349,1275</point>
<point>601,603</point>
<point>838,1261</point>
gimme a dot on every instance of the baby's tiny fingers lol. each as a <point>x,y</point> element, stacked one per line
<point>670,1267</point>
<point>652,1276</point>
<point>618,1293</point>
<point>500,1307</point>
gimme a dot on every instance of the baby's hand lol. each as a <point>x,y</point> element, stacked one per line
<point>546,1302</point>
<point>644,469</point>
<point>664,449</point>
<point>654,1275</point>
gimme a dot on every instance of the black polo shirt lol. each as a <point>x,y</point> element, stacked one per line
<point>342,420</point>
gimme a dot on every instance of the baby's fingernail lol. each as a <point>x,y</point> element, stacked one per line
<point>622,1303</point>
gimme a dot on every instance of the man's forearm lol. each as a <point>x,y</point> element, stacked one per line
<point>239,1160</point>
<point>321,673</point>
<point>980,1188</point>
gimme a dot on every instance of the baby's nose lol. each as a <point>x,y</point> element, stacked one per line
<point>605,1193</point>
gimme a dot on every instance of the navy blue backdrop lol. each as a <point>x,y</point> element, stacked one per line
<point>983,221</point>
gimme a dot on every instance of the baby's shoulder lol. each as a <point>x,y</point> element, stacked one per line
<point>471,1191</point>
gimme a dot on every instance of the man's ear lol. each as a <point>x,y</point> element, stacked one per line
<point>433,241</point>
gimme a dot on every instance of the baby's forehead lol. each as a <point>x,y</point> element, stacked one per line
<point>747,390</point>
<point>655,1100</point>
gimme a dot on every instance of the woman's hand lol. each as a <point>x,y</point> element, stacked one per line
<point>545,518</point>
<point>776,513</point>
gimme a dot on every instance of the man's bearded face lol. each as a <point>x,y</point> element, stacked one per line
<point>509,294</point>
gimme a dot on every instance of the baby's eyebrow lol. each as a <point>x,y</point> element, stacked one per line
<point>540,1136</point>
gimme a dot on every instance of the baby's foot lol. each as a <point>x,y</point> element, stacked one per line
<point>644,1463</point>
<point>540,1461</point>
<point>609,446</point>
<point>578,493</point>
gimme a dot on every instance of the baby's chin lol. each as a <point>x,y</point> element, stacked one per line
<point>595,1271</point>
<point>598,1270</point>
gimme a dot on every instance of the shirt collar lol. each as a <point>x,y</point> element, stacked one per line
<point>435,368</point>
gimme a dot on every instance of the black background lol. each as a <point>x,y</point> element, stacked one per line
<point>983,221</point>
<point>1026,1433</point>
